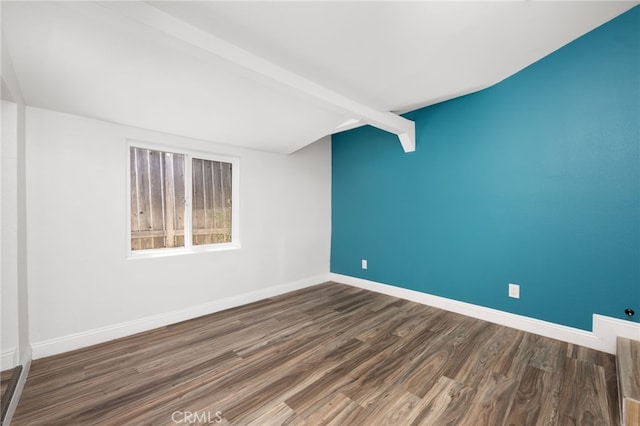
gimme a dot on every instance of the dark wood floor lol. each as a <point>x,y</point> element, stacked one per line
<point>5,377</point>
<point>329,354</point>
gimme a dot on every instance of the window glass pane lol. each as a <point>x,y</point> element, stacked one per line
<point>157,199</point>
<point>211,209</point>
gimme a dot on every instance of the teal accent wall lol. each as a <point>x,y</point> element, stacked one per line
<point>534,181</point>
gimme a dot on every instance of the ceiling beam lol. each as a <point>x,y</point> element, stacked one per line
<point>175,27</point>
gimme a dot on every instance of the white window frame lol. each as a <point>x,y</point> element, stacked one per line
<point>189,155</point>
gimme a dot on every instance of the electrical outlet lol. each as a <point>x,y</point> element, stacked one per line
<point>514,291</point>
<point>364,263</point>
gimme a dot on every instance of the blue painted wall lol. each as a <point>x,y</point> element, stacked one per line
<point>535,181</point>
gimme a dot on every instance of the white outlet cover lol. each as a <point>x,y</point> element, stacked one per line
<point>514,291</point>
<point>364,263</point>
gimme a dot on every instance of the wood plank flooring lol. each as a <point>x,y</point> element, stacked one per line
<point>5,378</point>
<point>8,381</point>
<point>326,355</point>
<point>628,366</point>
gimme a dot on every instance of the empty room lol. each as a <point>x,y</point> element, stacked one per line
<point>320,213</point>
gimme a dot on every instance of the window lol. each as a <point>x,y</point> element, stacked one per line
<point>211,194</point>
<point>164,202</point>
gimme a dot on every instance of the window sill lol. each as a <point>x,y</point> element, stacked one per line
<point>153,253</point>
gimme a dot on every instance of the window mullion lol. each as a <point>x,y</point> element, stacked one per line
<point>188,202</point>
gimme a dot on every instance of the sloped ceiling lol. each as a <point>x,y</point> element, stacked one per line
<point>276,76</point>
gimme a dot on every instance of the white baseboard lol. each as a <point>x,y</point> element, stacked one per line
<point>8,359</point>
<point>25,361</point>
<point>602,338</point>
<point>606,329</point>
<point>91,337</point>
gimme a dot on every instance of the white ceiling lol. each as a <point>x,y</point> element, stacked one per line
<point>276,76</point>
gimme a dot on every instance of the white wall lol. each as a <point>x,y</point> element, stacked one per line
<point>14,346</point>
<point>83,289</point>
<point>9,237</point>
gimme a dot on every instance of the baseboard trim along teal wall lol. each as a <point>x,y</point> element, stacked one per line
<point>603,338</point>
<point>533,181</point>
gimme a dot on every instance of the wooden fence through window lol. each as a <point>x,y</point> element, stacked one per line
<point>158,200</point>
<point>211,211</point>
